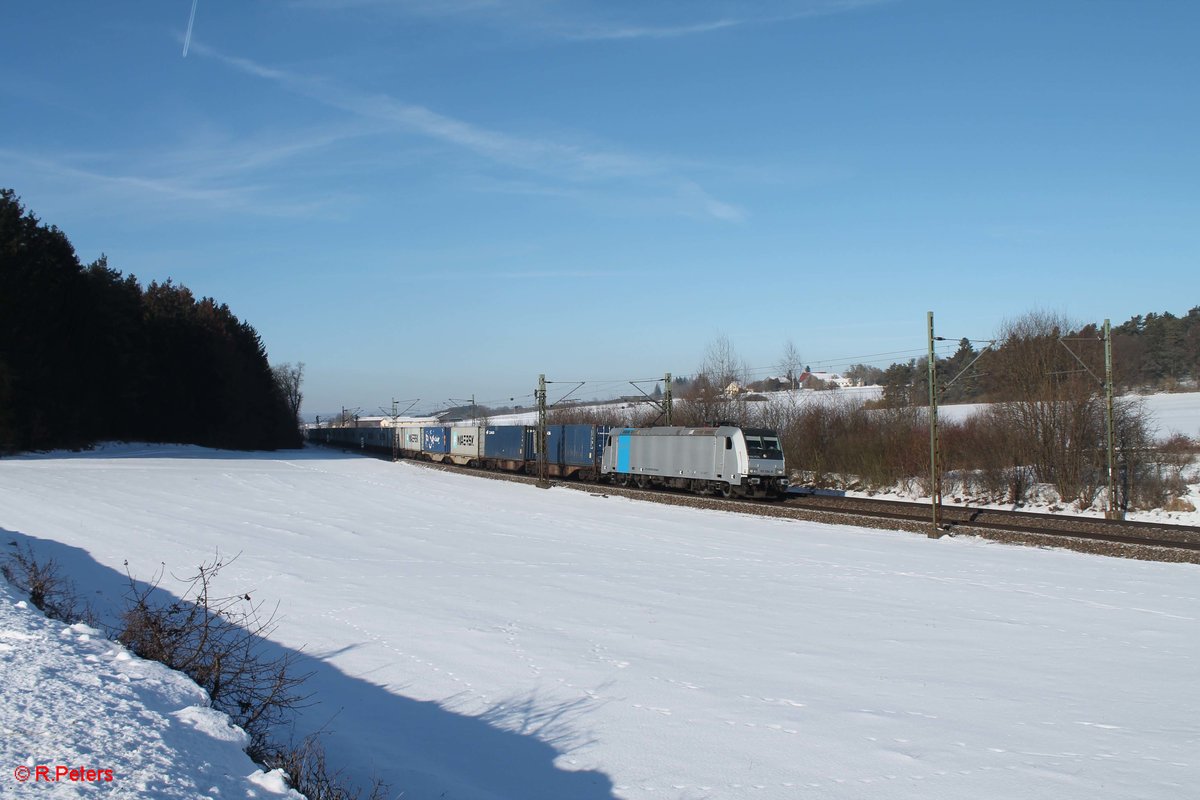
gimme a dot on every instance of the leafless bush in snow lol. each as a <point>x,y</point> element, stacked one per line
<point>220,642</point>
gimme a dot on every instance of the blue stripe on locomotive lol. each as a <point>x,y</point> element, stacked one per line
<point>623,446</point>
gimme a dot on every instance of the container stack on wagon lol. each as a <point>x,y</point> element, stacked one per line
<point>572,450</point>
<point>504,447</point>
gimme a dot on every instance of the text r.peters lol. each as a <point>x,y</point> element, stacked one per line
<point>44,772</point>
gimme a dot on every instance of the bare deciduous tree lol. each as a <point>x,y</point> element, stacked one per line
<point>722,365</point>
<point>791,364</point>
<point>290,377</point>
<point>706,401</point>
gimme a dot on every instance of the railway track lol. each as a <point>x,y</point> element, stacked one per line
<point>960,518</point>
<point>1128,539</point>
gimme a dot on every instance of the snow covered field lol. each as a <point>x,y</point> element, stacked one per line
<point>1172,413</point>
<point>481,639</point>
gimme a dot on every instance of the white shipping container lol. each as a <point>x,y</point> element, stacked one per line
<point>466,444</point>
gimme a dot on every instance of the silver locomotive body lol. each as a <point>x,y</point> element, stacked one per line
<point>723,460</point>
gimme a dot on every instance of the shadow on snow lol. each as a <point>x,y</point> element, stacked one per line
<point>421,749</point>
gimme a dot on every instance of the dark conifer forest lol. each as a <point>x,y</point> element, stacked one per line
<point>88,355</point>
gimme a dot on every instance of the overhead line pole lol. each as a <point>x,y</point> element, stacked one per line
<point>1113,511</point>
<point>543,478</point>
<point>935,483</point>
<point>395,431</point>
<point>667,397</point>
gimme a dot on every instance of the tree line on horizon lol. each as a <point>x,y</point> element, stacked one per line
<point>88,355</point>
<point>1151,352</point>
<point>1154,352</point>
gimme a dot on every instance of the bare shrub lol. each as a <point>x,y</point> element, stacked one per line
<point>807,436</point>
<point>1153,485</point>
<point>49,592</point>
<point>1020,481</point>
<point>982,451</point>
<point>220,643</point>
<point>1179,450</point>
<point>881,447</point>
<point>1149,478</point>
<point>217,641</point>
<point>1180,505</point>
<point>309,774</point>
<point>840,442</point>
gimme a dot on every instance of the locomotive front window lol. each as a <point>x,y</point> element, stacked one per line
<point>763,446</point>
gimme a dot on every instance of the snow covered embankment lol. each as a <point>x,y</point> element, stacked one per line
<point>79,710</point>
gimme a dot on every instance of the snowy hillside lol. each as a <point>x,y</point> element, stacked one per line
<point>79,713</point>
<point>475,639</point>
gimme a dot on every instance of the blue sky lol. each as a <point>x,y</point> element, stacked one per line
<point>443,198</point>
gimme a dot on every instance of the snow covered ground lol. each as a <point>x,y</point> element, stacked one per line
<point>1171,413</point>
<point>79,713</point>
<point>481,639</point>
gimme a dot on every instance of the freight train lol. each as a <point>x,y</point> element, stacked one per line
<point>723,460</point>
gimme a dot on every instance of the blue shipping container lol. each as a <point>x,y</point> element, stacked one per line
<point>435,440</point>
<point>504,442</point>
<point>569,445</point>
<point>577,445</point>
<point>531,443</point>
<point>602,432</point>
<point>554,444</point>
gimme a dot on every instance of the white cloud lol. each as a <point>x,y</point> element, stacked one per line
<point>599,21</point>
<point>552,160</point>
<point>134,187</point>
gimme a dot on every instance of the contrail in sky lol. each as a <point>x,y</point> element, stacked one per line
<point>187,40</point>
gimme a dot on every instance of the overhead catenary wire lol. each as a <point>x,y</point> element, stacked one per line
<point>599,387</point>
